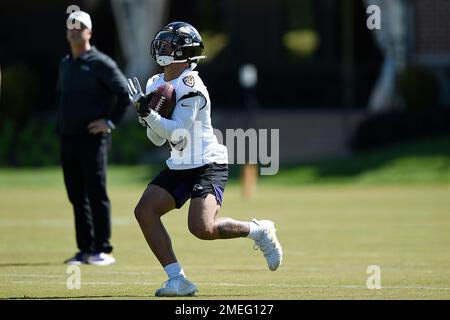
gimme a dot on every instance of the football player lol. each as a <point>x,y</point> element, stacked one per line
<point>197,167</point>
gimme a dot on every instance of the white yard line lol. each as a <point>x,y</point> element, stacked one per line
<point>226,284</point>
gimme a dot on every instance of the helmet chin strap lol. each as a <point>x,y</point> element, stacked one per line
<point>164,61</point>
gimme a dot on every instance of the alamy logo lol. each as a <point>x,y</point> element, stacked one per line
<point>74,279</point>
<point>251,146</point>
<point>374,20</point>
<point>374,280</point>
<point>73,24</point>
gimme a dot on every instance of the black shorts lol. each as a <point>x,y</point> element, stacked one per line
<point>194,183</point>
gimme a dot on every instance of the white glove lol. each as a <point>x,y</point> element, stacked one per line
<point>138,98</point>
<point>134,90</point>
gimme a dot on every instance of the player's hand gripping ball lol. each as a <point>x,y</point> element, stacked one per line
<point>162,100</point>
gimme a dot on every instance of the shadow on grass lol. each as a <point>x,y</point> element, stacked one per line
<point>29,264</point>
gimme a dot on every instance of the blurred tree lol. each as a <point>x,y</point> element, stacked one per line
<point>19,90</point>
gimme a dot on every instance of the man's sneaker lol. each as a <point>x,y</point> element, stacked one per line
<point>78,258</point>
<point>101,259</point>
<point>269,244</point>
<point>177,286</point>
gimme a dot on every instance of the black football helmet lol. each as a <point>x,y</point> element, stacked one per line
<point>177,42</point>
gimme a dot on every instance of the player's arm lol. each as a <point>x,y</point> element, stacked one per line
<point>140,100</point>
<point>154,138</point>
<point>183,117</point>
<point>151,135</point>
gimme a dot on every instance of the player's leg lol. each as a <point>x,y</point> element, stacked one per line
<point>207,195</point>
<point>204,223</point>
<point>154,203</point>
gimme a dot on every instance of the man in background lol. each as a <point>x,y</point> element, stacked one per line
<point>92,98</point>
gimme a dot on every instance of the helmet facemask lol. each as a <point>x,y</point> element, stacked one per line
<point>163,52</point>
<point>171,46</point>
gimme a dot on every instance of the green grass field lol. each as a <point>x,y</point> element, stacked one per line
<point>330,232</point>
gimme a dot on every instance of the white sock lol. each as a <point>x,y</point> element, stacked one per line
<point>173,270</point>
<point>254,233</point>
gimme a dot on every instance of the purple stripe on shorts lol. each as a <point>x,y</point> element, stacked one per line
<point>218,190</point>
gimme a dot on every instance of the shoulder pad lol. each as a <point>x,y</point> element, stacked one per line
<point>151,81</point>
<point>154,78</point>
<point>189,80</point>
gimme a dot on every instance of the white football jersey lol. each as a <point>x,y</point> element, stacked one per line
<point>189,131</point>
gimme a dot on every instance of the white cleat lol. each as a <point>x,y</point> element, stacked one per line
<point>177,287</point>
<point>269,244</point>
<point>101,259</point>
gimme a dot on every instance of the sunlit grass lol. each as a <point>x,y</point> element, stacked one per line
<point>330,235</point>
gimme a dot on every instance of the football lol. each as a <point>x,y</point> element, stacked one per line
<point>163,100</point>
